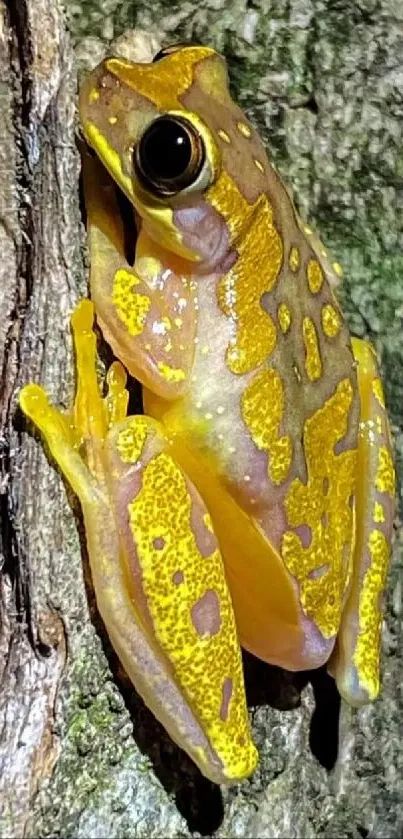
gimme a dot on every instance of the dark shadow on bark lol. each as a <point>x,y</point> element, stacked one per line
<point>281,689</point>
<point>267,684</point>
<point>324,731</point>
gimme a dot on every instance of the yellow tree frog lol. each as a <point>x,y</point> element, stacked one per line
<point>252,503</point>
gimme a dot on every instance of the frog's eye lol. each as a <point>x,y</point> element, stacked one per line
<point>169,155</point>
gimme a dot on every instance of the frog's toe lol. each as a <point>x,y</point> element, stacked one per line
<point>61,439</point>
<point>92,414</point>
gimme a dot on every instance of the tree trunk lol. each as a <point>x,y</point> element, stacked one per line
<point>79,754</point>
<point>40,271</point>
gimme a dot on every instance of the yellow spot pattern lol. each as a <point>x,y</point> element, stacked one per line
<point>259,165</point>
<point>132,308</point>
<point>331,320</point>
<point>377,390</point>
<point>201,662</point>
<point>338,269</point>
<point>315,276</point>
<point>385,476</point>
<point>171,374</point>
<point>378,513</point>
<point>244,129</point>
<point>254,273</point>
<point>313,363</point>
<point>132,438</point>
<point>224,136</point>
<point>311,504</point>
<point>164,82</point>
<point>366,654</point>
<point>294,259</point>
<point>208,522</point>
<point>284,317</point>
<point>262,410</point>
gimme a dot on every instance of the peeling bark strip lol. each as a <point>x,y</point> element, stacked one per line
<point>39,257</point>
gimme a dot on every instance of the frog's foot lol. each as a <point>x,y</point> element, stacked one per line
<point>156,567</point>
<point>76,440</point>
<point>355,662</point>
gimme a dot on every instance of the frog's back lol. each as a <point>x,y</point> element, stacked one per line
<point>272,404</point>
<point>283,358</point>
<point>277,294</point>
<point>231,323</point>
<point>286,346</point>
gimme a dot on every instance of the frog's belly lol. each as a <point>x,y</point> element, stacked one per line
<point>269,617</point>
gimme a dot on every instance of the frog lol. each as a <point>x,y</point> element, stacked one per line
<point>251,504</point>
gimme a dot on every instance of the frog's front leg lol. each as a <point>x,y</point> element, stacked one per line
<point>147,312</point>
<point>355,662</point>
<point>156,567</point>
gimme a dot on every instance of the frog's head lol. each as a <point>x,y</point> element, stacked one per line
<point>164,132</point>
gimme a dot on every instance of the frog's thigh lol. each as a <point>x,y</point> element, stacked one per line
<point>355,662</point>
<point>176,590</point>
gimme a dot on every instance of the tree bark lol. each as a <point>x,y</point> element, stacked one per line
<point>40,274</point>
<point>79,754</point>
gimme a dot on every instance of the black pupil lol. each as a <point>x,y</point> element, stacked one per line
<point>165,150</point>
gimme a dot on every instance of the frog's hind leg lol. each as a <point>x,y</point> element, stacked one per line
<point>355,662</point>
<point>177,585</point>
<point>156,567</point>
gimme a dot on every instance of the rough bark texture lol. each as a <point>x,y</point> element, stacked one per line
<point>79,754</point>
